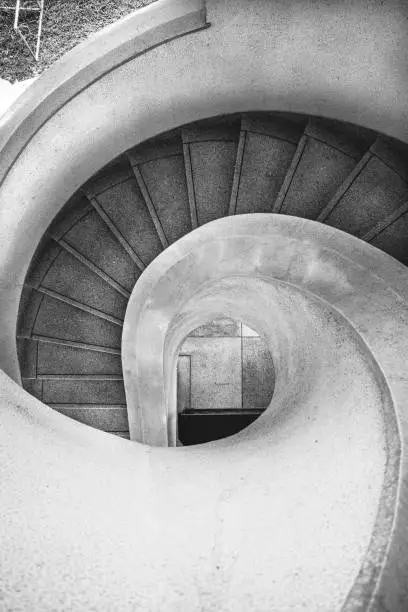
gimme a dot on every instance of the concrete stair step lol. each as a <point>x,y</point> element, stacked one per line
<point>83,272</point>
<point>210,154</point>
<point>323,160</point>
<point>373,191</point>
<point>266,148</point>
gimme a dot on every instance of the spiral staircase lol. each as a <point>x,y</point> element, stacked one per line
<point>199,160</point>
<point>77,288</point>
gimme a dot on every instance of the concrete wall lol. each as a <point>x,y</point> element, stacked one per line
<point>223,365</point>
<point>269,271</point>
<point>299,509</point>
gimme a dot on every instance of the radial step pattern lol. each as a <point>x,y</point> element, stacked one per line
<point>77,288</point>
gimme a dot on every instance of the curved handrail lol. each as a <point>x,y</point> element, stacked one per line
<point>234,267</point>
<point>105,51</point>
<point>321,472</point>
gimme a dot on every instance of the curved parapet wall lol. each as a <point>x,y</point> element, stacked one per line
<point>284,248</point>
<point>303,509</point>
<point>290,279</point>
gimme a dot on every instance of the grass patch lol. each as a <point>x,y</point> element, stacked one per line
<point>66,23</point>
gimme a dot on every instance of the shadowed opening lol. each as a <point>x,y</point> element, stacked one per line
<point>225,380</point>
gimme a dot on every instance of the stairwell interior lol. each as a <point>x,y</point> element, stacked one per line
<point>76,291</point>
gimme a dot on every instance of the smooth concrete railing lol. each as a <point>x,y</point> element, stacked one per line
<point>87,63</point>
<point>304,509</point>
<point>337,327</point>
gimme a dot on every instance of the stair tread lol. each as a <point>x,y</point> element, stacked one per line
<point>69,338</point>
<point>57,319</point>
<point>264,166</point>
<point>111,175</point>
<point>375,193</point>
<point>92,238</point>
<point>169,194</point>
<point>46,253</point>
<point>392,153</point>
<point>77,207</point>
<point>69,277</point>
<point>320,171</point>
<point>56,359</point>
<point>350,139</point>
<point>209,130</point>
<point>75,344</point>
<point>99,392</point>
<point>394,239</point>
<point>125,206</point>
<point>153,151</point>
<point>106,418</point>
<point>213,165</point>
<point>276,127</point>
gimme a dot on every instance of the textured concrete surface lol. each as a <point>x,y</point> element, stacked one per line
<point>378,191</point>
<point>228,366</point>
<point>212,164</point>
<point>320,171</point>
<point>269,271</point>
<point>114,243</point>
<point>169,195</point>
<point>210,72</point>
<point>279,517</point>
<point>93,239</point>
<point>264,165</point>
<point>59,556</point>
<point>117,525</point>
<point>216,372</point>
